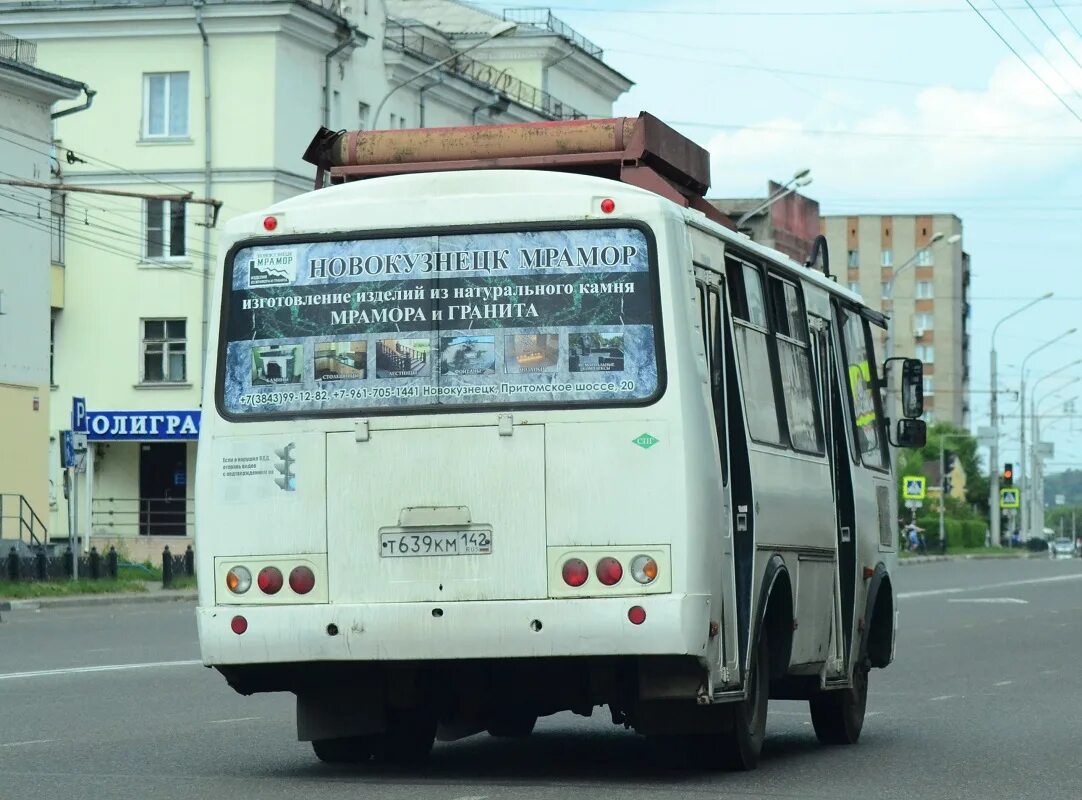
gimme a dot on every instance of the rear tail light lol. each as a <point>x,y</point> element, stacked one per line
<point>239,625</point>
<point>301,580</point>
<point>238,580</point>
<point>269,580</point>
<point>643,569</point>
<point>609,571</point>
<point>636,615</point>
<point>575,572</point>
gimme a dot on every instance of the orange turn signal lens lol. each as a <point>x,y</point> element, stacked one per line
<point>238,580</point>
<point>644,569</point>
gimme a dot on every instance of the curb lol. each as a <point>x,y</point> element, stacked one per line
<point>915,560</point>
<point>77,601</point>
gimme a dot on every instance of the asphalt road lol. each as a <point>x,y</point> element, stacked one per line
<point>984,701</point>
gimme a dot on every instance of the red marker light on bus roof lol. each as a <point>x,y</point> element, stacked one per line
<point>608,205</point>
<point>270,223</point>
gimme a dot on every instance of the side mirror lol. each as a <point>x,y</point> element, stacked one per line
<point>911,433</point>
<point>912,388</point>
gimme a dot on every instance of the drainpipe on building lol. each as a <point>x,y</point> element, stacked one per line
<point>354,38</point>
<point>198,6</point>
<point>421,100</point>
<point>76,109</point>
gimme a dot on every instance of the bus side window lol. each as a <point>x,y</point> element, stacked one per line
<point>715,306</point>
<point>752,333</point>
<point>700,287</point>
<point>794,361</point>
<point>860,375</point>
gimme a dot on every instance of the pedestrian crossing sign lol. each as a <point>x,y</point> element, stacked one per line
<point>913,487</point>
<point>1008,497</point>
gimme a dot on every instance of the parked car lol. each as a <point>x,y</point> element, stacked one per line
<point>1061,548</point>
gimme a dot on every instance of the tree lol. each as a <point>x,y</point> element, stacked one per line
<point>964,445</point>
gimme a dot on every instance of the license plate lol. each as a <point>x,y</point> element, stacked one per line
<point>435,543</point>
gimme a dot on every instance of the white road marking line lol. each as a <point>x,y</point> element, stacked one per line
<point>43,673</point>
<point>473,797</point>
<point>942,697</point>
<point>238,719</point>
<point>988,600</point>
<point>1004,683</point>
<point>872,713</point>
<point>32,741</point>
<point>1049,671</point>
<point>959,589</point>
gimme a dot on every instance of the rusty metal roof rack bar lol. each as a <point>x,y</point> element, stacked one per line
<point>641,151</point>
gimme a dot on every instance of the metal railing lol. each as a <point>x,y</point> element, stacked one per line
<point>543,18</point>
<point>18,49</point>
<point>142,516</point>
<point>407,39</point>
<point>26,523</point>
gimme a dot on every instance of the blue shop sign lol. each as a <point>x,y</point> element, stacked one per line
<point>142,426</point>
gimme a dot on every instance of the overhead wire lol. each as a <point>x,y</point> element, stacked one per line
<point>1063,13</point>
<point>1055,36</point>
<point>1036,47</point>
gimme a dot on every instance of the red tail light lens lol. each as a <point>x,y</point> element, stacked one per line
<point>609,571</point>
<point>239,625</point>
<point>269,580</point>
<point>636,615</point>
<point>301,580</point>
<point>575,572</point>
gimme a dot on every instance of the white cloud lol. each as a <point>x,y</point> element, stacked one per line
<point>948,143</point>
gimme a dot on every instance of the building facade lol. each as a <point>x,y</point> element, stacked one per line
<point>218,101</point>
<point>887,259</point>
<point>27,98</point>
<point>789,223</point>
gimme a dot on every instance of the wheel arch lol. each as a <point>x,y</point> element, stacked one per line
<point>775,615</point>
<point>877,641</point>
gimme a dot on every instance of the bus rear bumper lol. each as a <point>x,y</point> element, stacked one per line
<point>674,625</point>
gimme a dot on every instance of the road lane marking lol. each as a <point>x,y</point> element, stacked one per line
<point>942,697</point>
<point>1004,683</point>
<point>238,719</point>
<point>45,673</point>
<point>960,589</point>
<point>32,741</point>
<point>988,600</point>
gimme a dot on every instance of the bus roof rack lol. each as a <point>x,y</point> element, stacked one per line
<point>641,151</point>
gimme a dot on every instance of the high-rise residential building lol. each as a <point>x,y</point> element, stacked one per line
<point>914,268</point>
<point>218,101</point>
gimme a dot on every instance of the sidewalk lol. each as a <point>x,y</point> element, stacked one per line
<point>154,594</point>
<point>914,560</point>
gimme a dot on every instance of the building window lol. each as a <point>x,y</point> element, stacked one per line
<point>886,287</point>
<point>929,417</point>
<point>926,353</point>
<point>362,114</point>
<point>924,257</point>
<point>165,104</point>
<point>854,286</point>
<point>164,350</point>
<point>923,322</point>
<point>924,290</point>
<point>929,385</point>
<point>52,349</point>
<point>886,258</point>
<point>57,221</point>
<point>164,229</point>
<point>854,258</point>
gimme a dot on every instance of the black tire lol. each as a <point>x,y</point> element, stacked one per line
<point>838,715</point>
<point>741,745</point>
<point>514,726</point>
<point>409,737</point>
<point>347,750</point>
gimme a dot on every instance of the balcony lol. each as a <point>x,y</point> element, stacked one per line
<point>18,50</point>
<point>406,39</point>
<point>544,19</point>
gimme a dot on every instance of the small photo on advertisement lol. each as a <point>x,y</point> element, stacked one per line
<point>403,358</point>
<point>341,361</point>
<point>467,355</point>
<point>595,352</point>
<point>532,352</point>
<point>277,364</point>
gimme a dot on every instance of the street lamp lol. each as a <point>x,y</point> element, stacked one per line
<point>1029,511</point>
<point>993,455</point>
<point>889,295</point>
<point>1038,456</point>
<point>801,177</point>
<point>1024,511</point>
<point>496,31</point>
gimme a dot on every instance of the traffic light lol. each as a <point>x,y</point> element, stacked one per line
<point>1008,474</point>
<point>948,468</point>
<point>286,481</point>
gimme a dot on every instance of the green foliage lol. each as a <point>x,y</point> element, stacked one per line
<point>961,533</point>
<point>33,589</point>
<point>959,441</point>
<point>1055,514</point>
<point>1068,483</point>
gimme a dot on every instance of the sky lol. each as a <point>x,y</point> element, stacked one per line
<point>897,106</point>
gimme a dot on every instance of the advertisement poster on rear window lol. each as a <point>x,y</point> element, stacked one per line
<point>559,317</point>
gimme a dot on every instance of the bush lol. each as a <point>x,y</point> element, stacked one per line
<point>960,532</point>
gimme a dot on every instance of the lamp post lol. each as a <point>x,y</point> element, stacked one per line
<point>1034,406</point>
<point>496,31</point>
<point>1023,513</point>
<point>1038,457</point>
<point>800,178</point>
<point>993,455</point>
<point>889,295</point>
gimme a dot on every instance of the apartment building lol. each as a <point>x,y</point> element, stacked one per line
<point>893,262</point>
<point>217,101</point>
<point>28,99</point>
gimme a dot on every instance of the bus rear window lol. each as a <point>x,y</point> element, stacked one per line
<point>443,321</point>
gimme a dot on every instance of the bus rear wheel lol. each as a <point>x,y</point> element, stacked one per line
<point>838,716</point>
<point>345,750</point>
<point>743,742</point>
<point>409,737</point>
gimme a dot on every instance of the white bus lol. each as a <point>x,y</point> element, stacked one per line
<point>485,445</point>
